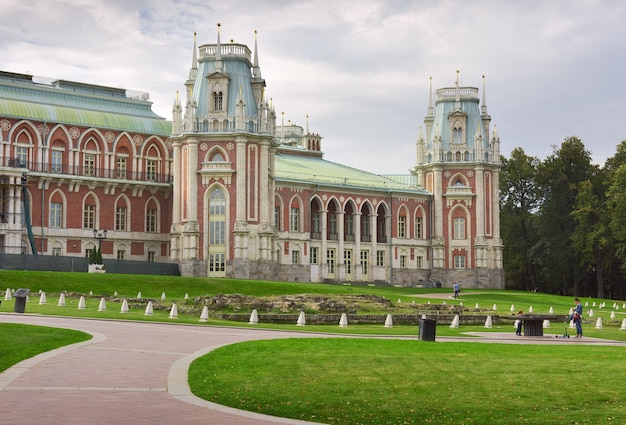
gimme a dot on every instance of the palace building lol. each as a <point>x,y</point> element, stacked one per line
<point>223,191</point>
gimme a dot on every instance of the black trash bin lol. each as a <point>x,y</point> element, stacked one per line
<point>427,329</point>
<point>20,299</point>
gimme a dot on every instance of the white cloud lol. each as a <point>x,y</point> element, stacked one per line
<point>358,68</point>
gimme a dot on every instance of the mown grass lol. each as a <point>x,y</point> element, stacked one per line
<point>365,381</point>
<point>372,381</point>
<point>20,342</point>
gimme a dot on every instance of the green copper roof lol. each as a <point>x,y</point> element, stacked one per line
<point>310,170</point>
<point>78,104</point>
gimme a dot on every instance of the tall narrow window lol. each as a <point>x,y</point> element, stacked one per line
<point>89,216</point>
<point>294,219</point>
<point>313,255</point>
<point>277,217</point>
<point>418,228</point>
<point>56,158</point>
<point>317,225</point>
<point>330,261</point>
<point>459,228</point>
<point>22,155</point>
<point>217,101</point>
<point>457,135</point>
<point>364,261</point>
<point>120,163</point>
<point>89,164</point>
<point>347,261</point>
<point>56,214</point>
<point>380,258</point>
<point>121,254</point>
<point>217,233</point>
<point>151,170</point>
<point>151,220</point>
<point>420,261</point>
<point>365,228</point>
<point>332,226</point>
<point>151,256</point>
<point>349,227</point>
<point>295,257</point>
<point>120,218</point>
<point>403,261</point>
<point>402,226</point>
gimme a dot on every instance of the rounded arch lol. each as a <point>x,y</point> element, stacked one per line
<point>153,146</point>
<point>24,125</point>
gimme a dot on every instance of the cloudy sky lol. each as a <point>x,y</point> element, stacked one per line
<point>358,68</point>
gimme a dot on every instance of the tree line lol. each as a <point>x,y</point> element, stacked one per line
<point>563,221</point>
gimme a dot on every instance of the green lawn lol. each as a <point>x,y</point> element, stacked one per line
<point>20,342</point>
<point>351,381</point>
<point>356,381</point>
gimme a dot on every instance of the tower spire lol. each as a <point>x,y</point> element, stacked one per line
<point>218,51</point>
<point>457,99</point>
<point>194,60</point>
<point>431,110</point>
<point>483,107</point>
<point>256,70</point>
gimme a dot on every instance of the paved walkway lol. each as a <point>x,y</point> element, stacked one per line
<point>136,372</point>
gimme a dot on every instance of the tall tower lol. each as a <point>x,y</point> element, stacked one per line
<point>459,163</point>
<point>223,166</point>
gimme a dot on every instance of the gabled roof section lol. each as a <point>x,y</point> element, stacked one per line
<point>310,170</point>
<point>75,103</point>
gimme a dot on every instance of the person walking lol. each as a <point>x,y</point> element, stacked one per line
<point>519,323</point>
<point>457,289</point>
<point>577,318</point>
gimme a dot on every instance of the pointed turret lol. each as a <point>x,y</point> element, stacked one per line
<point>193,70</point>
<point>483,107</point>
<point>257,82</point>
<point>218,51</point>
<point>256,70</point>
<point>457,93</point>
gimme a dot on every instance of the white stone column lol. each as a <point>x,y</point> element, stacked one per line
<point>265,206</point>
<point>192,180</point>
<point>241,177</point>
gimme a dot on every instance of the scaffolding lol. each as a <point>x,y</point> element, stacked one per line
<point>13,226</point>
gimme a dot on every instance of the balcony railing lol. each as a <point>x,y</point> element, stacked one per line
<point>96,172</point>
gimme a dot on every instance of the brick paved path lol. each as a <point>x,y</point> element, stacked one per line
<point>136,373</point>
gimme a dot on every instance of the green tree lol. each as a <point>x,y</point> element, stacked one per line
<point>519,203</point>
<point>558,178</point>
<point>591,238</point>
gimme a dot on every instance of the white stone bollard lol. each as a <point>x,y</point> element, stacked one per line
<point>512,309</point>
<point>61,302</point>
<point>301,319</point>
<point>546,324</point>
<point>149,309</point>
<point>455,322</point>
<point>139,295</point>
<point>186,296</point>
<point>623,328</point>
<point>103,305</point>
<point>124,308</point>
<point>81,303</point>
<point>7,295</point>
<point>612,315</point>
<point>115,294</point>
<point>591,313</point>
<point>599,323</point>
<point>495,307</point>
<point>174,312</point>
<point>42,298</point>
<point>571,324</point>
<point>163,296</point>
<point>477,307</point>
<point>551,311</point>
<point>489,322</point>
<point>389,321</point>
<point>530,309</point>
<point>254,317</point>
<point>343,321</point>
<point>204,316</point>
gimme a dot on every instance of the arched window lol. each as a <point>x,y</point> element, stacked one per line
<point>217,233</point>
<point>217,101</point>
